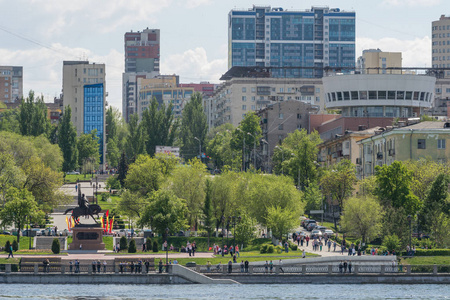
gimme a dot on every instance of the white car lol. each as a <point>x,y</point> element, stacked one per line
<point>73,173</point>
<point>328,232</point>
<point>316,232</point>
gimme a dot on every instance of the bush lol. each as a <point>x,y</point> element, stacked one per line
<point>15,245</point>
<point>123,243</point>
<point>293,246</point>
<point>391,242</point>
<point>113,182</point>
<point>263,248</point>
<point>278,248</point>
<point>271,249</point>
<point>132,246</point>
<point>55,246</point>
<point>155,246</point>
<point>148,244</point>
<point>432,252</point>
<point>7,245</point>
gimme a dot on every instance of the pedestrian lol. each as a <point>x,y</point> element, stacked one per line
<point>10,252</point>
<point>320,245</point>
<point>77,266</point>
<point>121,267</point>
<point>81,247</point>
<point>208,266</point>
<point>194,246</point>
<point>246,263</point>
<point>104,266</point>
<point>345,266</point>
<point>99,266</point>
<point>219,266</point>
<point>329,245</point>
<point>189,248</point>
<point>350,266</point>
<point>301,240</point>
<point>147,266</point>
<point>266,267</point>
<point>341,266</point>
<point>334,246</point>
<point>280,263</point>
<point>160,266</point>
<point>143,248</point>
<point>303,253</point>
<point>234,259</point>
<point>242,266</point>
<point>70,266</point>
<point>342,249</point>
<point>354,251</point>
<point>350,251</point>
<point>286,247</point>
<point>236,250</point>
<point>230,266</point>
<point>271,266</point>
<point>94,266</point>
<point>76,187</point>
<point>307,241</point>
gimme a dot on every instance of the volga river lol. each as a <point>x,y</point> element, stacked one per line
<point>275,291</point>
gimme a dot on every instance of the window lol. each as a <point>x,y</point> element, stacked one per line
<point>253,107</point>
<point>253,98</point>
<point>347,145</point>
<point>280,127</point>
<point>421,144</point>
<point>299,116</point>
<point>253,90</point>
<point>299,126</point>
<point>441,144</point>
<point>244,89</point>
<point>244,107</point>
<point>244,98</point>
<point>280,116</point>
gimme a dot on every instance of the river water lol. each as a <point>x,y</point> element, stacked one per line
<point>241,292</point>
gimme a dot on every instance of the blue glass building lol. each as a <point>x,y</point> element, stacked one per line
<point>93,112</point>
<point>274,37</point>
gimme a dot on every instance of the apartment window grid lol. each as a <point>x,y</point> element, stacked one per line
<point>421,144</point>
<point>441,144</point>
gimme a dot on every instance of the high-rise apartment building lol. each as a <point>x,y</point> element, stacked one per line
<point>84,90</point>
<point>274,37</point>
<point>141,61</point>
<point>11,84</point>
<point>441,44</point>
<point>375,61</point>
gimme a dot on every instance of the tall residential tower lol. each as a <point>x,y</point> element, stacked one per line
<point>11,84</point>
<point>274,37</point>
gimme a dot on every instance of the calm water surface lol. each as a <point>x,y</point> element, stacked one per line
<point>242,292</point>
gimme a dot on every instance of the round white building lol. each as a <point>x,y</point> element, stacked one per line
<point>379,95</point>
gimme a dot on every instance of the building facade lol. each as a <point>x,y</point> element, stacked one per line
<point>440,40</point>
<point>274,37</point>
<point>238,96</point>
<point>84,90</point>
<point>421,140</point>
<point>375,61</point>
<point>11,84</point>
<point>166,90</point>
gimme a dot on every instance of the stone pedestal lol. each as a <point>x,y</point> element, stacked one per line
<point>90,238</point>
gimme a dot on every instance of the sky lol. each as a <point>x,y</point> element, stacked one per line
<point>40,34</point>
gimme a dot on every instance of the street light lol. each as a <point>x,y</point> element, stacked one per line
<point>268,156</point>
<point>409,218</point>
<point>234,220</point>
<point>243,148</point>
<point>199,147</point>
<point>167,250</point>
<point>254,149</point>
<point>223,221</point>
<point>95,187</point>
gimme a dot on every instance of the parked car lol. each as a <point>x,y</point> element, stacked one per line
<point>328,232</point>
<point>307,222</point>
<point>4,232</point>
<point>321,228</point>
<point>311,226</point>
<point>316,232</point>
<point>73,173</point>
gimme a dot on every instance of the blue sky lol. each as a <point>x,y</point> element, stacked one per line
<point>40,34</point>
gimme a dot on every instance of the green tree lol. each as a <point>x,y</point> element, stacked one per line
<point>392,242</point>
<point>20,208</point>
<point>122,169</point>
<point>207,212</point>
<point>312,197</point>
<point>144,176</point>
<point>337,184</point>
<point>88,148</point>
<point>245,230</point>
<point>394,187</point>
<point>56,246</point>
<point>218,147</point>
<point>440,229</point>
<point>437,201</point>
<point>123,244</point>
<point>159,125</point>
<point>131,204</point>
<point>362,217</point>
<point>10,175</point>
<point>33,116</point>
<point>132,246</point>
<point>67,141</point>
<point>136,139</point>
<point>281,221</point>
<point>188,182</point>
<point>165,210</point>
<point>9,120</point>
<point>246,136</point>
<point>300,161</point>
<point>193,125</point>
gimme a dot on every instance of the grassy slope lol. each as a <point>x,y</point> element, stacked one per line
<point>426,260</point>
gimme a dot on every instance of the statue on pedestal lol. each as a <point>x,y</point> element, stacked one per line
<point>84,209</point>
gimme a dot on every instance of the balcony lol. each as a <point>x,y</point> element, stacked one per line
<point>391,152</point>
<point>380,155</point>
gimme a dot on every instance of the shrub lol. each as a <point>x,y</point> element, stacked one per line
<point>278,248</point>
<point>55,246</point>
<point>432,252</point>
<point>148,244</point>
<point>123,243</point>
<point>263,248</point>
<point>155,246</point>
<point>391,242</point>
<point>15,245</point>
<point>293,246</point>
<point>113,182</point>
<point>7,245</point>
<point>271,249</point>
<point>132,246</point>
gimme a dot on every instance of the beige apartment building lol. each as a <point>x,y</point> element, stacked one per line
<point>11,84</point>
<point>440,40</point>
<point>375,61</point>
<point>239,95</point>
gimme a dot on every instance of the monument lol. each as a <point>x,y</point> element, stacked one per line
<point>86,236</point>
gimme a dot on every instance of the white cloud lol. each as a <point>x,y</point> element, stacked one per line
<point>195,3</point>
<point>415,53</point>
<point>193,66</point>
<point>411,2</point>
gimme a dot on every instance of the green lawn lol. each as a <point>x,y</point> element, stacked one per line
<point>9,261</point>
<point>74,178</point>
<point>24,241</point>
<point>426,260</point>
<point>110,203</point>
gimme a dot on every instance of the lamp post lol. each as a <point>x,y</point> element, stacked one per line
<point>167,250</point>
<point>29,233</point>
<point>409,218</point>
<point>223,221</point>
<point>268,156</point>
<point>254,149</point>
<point>243,149</point>
<point>199,147</point>
<point>234,220</point>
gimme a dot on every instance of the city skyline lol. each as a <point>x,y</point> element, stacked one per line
<point>40,35</point>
